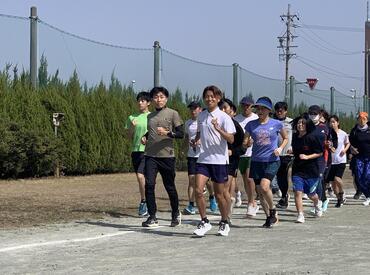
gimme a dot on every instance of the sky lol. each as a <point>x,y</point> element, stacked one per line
<point>224,32</point>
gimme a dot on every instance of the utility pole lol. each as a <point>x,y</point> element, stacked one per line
<point>284,45</point>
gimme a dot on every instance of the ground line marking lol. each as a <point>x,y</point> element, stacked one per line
<point>25,246</point>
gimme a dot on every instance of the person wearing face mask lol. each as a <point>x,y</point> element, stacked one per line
<point>329,140</point>
<point>360,141</point>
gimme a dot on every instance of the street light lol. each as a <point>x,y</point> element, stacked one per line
<point>132,85</point>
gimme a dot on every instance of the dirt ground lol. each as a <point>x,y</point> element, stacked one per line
<point>36,202</point>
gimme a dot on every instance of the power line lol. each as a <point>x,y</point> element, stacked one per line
<point>331,28</point>
<point>337,73</point>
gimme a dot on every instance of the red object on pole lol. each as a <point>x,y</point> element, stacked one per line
<point>312,82</point>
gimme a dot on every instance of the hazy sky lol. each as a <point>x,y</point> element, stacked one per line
<point>223,32</point>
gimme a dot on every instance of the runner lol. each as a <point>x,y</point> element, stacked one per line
<point>281,111</point>
<point>245,160</point>
<point>339,160</point>
<point>360,141</point>
<point>307,148</point>
<point>264,133</point>
<point>137,127</point>
<point>330,142</point>
<point>191,127</point>
<point>215,129</point>
<point>164,125</point>
<point>235,150</point>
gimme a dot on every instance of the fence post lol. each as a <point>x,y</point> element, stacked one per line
<point>157,52</point>
<point>33,46</point>
<point>291,93</point>
<point>235,82</point>
<point>332,101</point>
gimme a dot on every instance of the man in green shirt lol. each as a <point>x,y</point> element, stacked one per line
<point>137,126</point>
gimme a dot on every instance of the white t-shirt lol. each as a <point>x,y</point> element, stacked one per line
<point>213,148</point>
<point>191,127</point>
<point>342,141</point>
<point>243,121</point>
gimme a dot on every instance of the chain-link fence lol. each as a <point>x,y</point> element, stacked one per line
<point>95,61</point>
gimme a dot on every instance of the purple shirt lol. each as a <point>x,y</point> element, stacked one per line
<point>265,139</point>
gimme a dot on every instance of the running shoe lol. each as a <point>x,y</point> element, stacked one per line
<point>143,210</point>
<point>283,203</point>
<point>176,220</point>
<point>357,195</point>
<point>366,202</point>
<point>325,205</point>
<point>189,210</point>
<point>150,222</point>
<point>339,203</point>
<point>213,205</point>
<point>300,218</point>
<point>252,210</point>
<point>202,228</point>
<point>238,201</point>
<point>223,229</point>
<point>304,196</point>
<point>318,209</point>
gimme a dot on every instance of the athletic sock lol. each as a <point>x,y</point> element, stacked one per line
<point>191,203</point>
<point>205,220</point>
<point>211,197</point>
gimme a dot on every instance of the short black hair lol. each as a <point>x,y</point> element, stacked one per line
<point>214,89</point>
<point>281,105</point>
<point>143,96</point>
<point>157,90</point>
<point>229,102</point>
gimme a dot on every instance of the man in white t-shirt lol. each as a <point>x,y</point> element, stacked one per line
<point>245,160</point>
<point>215,130</point>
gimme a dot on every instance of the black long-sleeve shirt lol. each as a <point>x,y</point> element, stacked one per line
<point>360,139</point>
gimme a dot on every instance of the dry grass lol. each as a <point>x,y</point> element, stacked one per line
<point>25,203</point>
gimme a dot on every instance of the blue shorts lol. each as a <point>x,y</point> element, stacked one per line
<point>307,186</point>
<point>216,172</point>
<point>264,170</point>
<point>191,165</point>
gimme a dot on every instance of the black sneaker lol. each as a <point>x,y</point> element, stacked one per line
<point>357,195</point>
<point>339,203</point>
<point>150,222</point>
<point>176,220</point>
<point>267,223</point>
<point>283,203</point>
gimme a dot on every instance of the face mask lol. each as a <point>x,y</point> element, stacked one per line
<point>315,118</point>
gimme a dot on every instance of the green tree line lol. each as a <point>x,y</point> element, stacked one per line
<point>92,136</point>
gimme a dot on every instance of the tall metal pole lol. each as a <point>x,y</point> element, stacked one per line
<point>33,46</point>
<point>332,101</point>
<point>287,55</point>
<point>56,168</point>
<point>157,53</point>
<point>291,90</point>
<point>235,82</point>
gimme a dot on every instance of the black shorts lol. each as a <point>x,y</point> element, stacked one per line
<point>336,170</point>
<point>232,167</point>
<point>138,162</point>
<point>191,165</point>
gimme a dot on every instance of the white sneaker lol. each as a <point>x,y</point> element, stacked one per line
<point>318,209</point>
<point>304,196</point>
<point>300,218</point>
<point>238,201</point>
<point>202,228</point>
<point>366,202</point>
<point>252,211</point>
<point>224,229</point>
